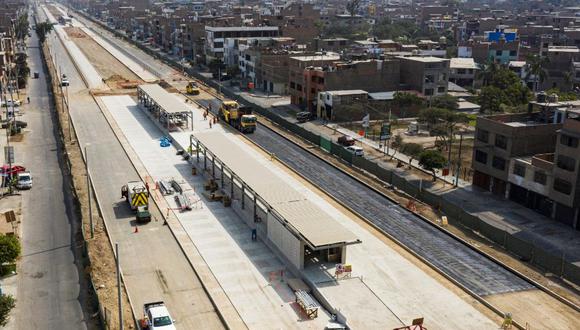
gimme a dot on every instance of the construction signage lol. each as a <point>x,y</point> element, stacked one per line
<point>139,199</point>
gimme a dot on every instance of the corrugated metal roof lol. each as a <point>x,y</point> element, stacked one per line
<point>316,226</point>
<point>169,102</point>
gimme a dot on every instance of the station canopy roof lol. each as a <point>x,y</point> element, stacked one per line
<point>315,227</point>
<point>168,102</point>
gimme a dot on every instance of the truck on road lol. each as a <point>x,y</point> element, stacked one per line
<point>156,317</point>
<point>239,117</point>
<point>136,193</point>
<point>192,88</point>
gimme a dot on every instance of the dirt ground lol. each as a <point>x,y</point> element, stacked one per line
<point>102,269</point>
<point>55,12</point>
<point>115,73</point>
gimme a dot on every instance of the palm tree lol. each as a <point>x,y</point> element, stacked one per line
<point>568,80</point>
<point>488,71</point>
<point>536,67</point>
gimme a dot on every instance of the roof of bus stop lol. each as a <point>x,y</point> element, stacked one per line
<point>165,100</point>
<point>313,225</point>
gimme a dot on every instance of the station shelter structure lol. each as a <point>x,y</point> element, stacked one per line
<point>170,111</point>
<point>296,227</point>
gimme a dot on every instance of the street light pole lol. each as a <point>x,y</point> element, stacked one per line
<point>458,161</point>
<point>119,287</point>
<point>89,192</point>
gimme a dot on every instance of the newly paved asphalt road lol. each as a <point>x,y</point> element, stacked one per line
<point>49,287</point>
<point>152,262</point>
<point>471,269</point>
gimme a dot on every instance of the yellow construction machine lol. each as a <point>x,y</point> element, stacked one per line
<point>239,117</point>
<point>192,88</point>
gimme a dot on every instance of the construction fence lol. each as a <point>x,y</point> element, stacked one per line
<point>553,262</point>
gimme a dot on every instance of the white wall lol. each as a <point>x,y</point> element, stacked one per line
<point>289,245</point>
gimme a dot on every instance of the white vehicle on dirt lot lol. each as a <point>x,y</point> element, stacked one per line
<point>157,317</point>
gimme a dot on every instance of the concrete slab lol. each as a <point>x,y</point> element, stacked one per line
<point>360,306</point>
<point>92,79</point>
<point>242,267</point>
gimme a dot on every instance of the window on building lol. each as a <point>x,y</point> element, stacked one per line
<point>480,157</point>
<point>299,87</point>
<point>440,89</point>
<point>313,79</point>
<point>312,91</point>
<point>429,91</point>
<point>248,58</point>
<point>569,141</point>
<point>321,80</point>
<point>566,163</point>
<point>292,85</point>
<point>429,78</point>
<point>498,163</point>
<point>501,141</point>
<point>513,53</point>
<point>328,96</point>
<point>540,177</point>
<point>519,170</point>
<point>218,45</point>
<point>563,186</point>
<point>498,53</point>
<point>482,135</point>
<point>461,71</point>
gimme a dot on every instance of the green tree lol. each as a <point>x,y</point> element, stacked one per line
<point>233,71</point>
<point>432,160</point>
<point>7,302</point>
<point>352,7</point>
<point>21,26</point>
<point>536,67</point>
<point>487,72</point>
<point>396,143</point>
<point>442,123</point>
<point>22,71</point>
<point>444,102</point>
<point>42,29</point>
<point>412,150</point>
<point>490,99</point>
<point>9,249</point>
<point>403,99</point>
<point>215,65</point>
<point>562,96</point>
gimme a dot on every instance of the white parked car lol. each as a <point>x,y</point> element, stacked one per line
<point>157,317</point>
<point>356,150</point>
<point>24,180</point>
<point>64,80</point>
<point>10,103</point>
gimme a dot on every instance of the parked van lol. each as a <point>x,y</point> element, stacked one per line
<point>24,180</point>
<point>356,150</point>
<point>303,117</point>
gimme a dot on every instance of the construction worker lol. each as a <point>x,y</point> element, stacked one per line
<point>210,124</point>
<point>28,99</point>
<point>147,187</point>
<point>124,192</point>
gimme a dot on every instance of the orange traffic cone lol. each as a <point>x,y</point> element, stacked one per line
<point>136,230</point>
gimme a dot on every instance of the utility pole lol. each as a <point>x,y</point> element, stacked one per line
<point>119,287</point>
<point>458,161</point>
<point>89,192</point>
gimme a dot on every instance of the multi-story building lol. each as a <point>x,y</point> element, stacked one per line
<point>427,75</point>
<point>560,62</point>
<point>299,93</point>
<point>462,71</point>
<point>215,37</point>
<point>368,75</point>
<point>532,158</point>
